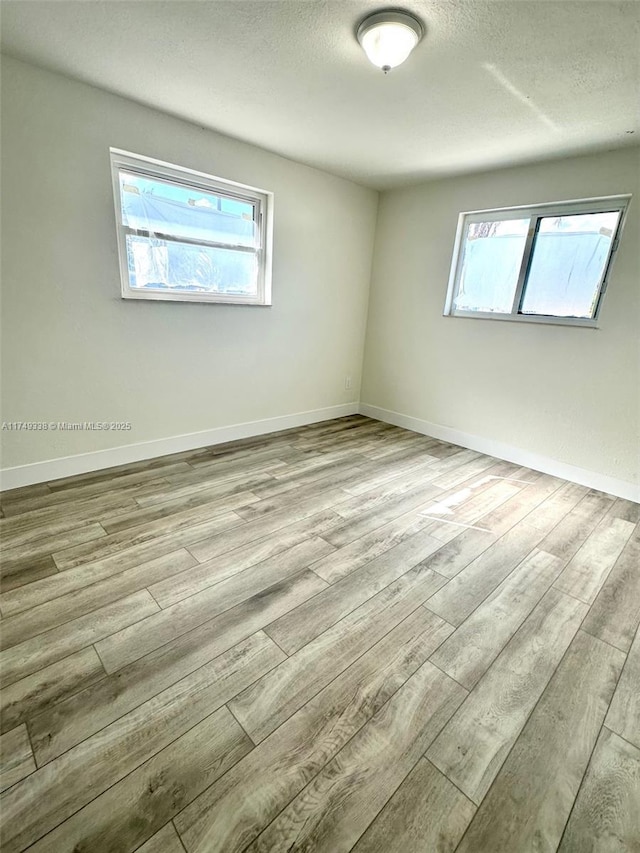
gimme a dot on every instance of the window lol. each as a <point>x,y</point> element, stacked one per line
<point>186,236</point>
<point>546,263</point>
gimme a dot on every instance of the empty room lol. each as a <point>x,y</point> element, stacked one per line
<point>320,508</point>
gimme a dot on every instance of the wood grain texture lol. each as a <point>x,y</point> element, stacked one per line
<point>387,494</point>
<point>177,587</point>
<point>166,840</point>
<point>469,464</point>
<point>459,598</point>
<point>91,490</point>
<point>474,744</point>
<point>426,813</point>
<point>153,540</point>
<point>50,614</point>
<point>570,534</point>
<point>24,528</point>
<point>309,620</point>
<point>615,614</point>
<point>336,807</point>
<point>71,580</point>
<point>113,474</point>
<point>144,636</point>
<point>606,815</point>
<point>531,501</point>
<point>353,556</point>
<point>629,510</point>
<point>47,648</point>
<point>61,787</point>
<point>529,803</point>
<point>24,492</point>
<point>235,810</point>
<point>20,530</point>
<point>588,569</point>
<point>262,707</point>
<point>624,714</point>
<point>218,500</point>
<point>459,552</point>
<point>280,495</point>
<point>467,506</point>
<point>131,811</point>
<point>389,467</point>
<point>211,547</point>
<point>472,648</point>
<point>16,757</point>
<point>81,715</point>
<point>30,543</point>
<point>381,512</point>
<point>31,695</point>
<point>177,522</point>
<point>24,570</point>
<point>288,584</point>
<point>549,514</point>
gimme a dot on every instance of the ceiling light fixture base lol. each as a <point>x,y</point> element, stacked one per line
<point>388,37</point>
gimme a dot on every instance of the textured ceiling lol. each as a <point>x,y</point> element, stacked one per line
<point>492,83</point>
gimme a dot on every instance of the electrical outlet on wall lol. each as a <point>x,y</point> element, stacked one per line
<point>347,383</point>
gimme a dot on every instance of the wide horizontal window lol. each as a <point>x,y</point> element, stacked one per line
<point>544,263</point>
<point>183,235</point>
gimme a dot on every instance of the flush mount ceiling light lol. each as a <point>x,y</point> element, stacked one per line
<point>389,37</point>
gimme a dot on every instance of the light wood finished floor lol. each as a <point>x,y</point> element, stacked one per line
<point>341,637</point>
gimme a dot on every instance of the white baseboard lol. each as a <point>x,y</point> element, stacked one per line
<point>54,469</point>
<point>582,476</point>
<point>68,466</point>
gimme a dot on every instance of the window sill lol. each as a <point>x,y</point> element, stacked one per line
<point>214,299</point>
<point>578,322</point>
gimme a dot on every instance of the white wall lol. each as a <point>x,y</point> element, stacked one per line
<point>563,393</point>
<point>75,351</point>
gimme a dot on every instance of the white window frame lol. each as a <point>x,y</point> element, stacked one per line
<point>262,200</point>
<point>535,212</point>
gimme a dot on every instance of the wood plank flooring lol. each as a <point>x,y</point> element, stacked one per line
<point>342,637</point>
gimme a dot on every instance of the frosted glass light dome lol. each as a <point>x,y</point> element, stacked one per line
<point>389,37</point>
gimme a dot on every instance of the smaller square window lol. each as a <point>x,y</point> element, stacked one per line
<point>187,236</point>
<point>543,263</point>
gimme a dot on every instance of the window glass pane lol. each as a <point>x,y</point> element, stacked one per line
<point>169,265</point>
<point>162,207</point>
<point>569,258</point>
<point>492,257</point>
